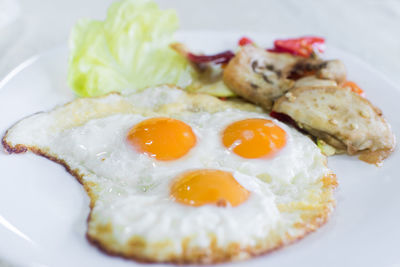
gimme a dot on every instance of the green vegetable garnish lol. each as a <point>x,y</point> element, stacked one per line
<point>129,50</point>
<point>326,149</point>
<point>210,82</point>
<point>218,89</point>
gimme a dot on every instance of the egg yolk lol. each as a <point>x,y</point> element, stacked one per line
<point>201,187</point>
<point>162,138</point>
<point>254,138</point>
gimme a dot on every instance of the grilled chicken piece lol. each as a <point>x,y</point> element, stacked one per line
<point>333,70</point>
<point>341,118</point>
<point>259,76</point>
<point>313,81</point>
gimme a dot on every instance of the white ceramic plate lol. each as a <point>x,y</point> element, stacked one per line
<point>43,209</point>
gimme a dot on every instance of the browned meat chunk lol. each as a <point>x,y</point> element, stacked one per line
<point>259,76</point>
<point>341,118</point>
<point>312,81</point>
<point>333,70</point>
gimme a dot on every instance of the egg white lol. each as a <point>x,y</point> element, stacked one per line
<point>132,190</point>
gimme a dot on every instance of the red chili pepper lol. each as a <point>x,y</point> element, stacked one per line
<point>219,58</point>
<point>244,41</point>
<point>303,46</point>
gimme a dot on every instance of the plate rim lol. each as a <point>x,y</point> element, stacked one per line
<point>33,59</point>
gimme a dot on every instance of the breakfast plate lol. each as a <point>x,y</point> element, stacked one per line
<point>43,209</point>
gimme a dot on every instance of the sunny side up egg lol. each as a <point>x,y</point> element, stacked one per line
<point>176,177</point>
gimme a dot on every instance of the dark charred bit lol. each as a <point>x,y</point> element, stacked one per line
<point>13,149</point>
<point>254,65</point>
<point>265,77</point>
<point>222,203</point>
<point>323,65</point>
<point>279,73</point>
<point>308,67</point>
<point>270,67</point>
<point>282,117</point>
<point>302,69</point>
<point>314,55</point>
<point>332,107</point>
<point>254,86</point>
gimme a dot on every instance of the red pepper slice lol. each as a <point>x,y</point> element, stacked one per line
<point>303,46</point>
<point>220,58</point>
<point>286,119</point>
<point>354,87</point>
<point>244,41</point>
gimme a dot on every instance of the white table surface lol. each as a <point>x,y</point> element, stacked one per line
<point>367,28</point>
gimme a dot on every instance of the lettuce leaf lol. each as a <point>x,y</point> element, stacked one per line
<point>129,50</point>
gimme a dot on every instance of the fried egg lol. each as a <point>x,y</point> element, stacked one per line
<point>184,178</point>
